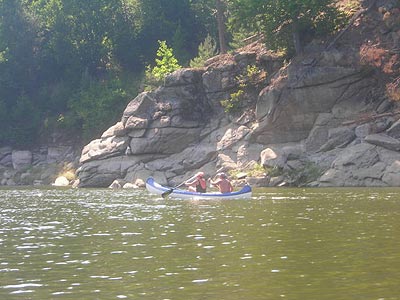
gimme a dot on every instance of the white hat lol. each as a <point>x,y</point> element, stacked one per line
<point>200,174</point>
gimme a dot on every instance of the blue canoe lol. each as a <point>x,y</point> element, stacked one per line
<point>155,188</point>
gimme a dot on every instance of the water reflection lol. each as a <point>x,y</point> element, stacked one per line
<point>283,243</point>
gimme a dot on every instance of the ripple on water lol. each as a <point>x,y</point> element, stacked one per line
<point>74,242</point>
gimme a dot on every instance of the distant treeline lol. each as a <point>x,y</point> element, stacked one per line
<point>73,65</point>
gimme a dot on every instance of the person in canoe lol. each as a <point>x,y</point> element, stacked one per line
<point>198,184</point>
<point>223,183</point>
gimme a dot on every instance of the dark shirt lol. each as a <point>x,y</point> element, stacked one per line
<point>200,188</point>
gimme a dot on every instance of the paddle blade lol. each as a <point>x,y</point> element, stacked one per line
<point>167,193</point>
<point>241,175</point>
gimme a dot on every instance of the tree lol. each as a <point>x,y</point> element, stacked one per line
<point>20,117</point>
<point>221,26</point>
<point>207,49</point>
<point>213,15</point>
<point>175,21</point>
<point>50,48</point>
<point>286,23</point>
<point>166,63</point>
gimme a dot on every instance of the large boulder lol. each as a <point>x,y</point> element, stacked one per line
<point>142,106</point>
<point>384,141</point>
<point>104,148</point>
<point>116,130</point>
<point>273,158</point>
<point>61,181</point>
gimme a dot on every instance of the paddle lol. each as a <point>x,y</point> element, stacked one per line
<point>167,193</point>
<point>241,175</point>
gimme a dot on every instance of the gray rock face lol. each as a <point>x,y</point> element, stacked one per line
<point>6,156</point>
<point>300,117</point>
<point>21,159</point>
<point>338,137</point>
<point>39,166</point>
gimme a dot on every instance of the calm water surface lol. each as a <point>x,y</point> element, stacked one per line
<point>281,244</point>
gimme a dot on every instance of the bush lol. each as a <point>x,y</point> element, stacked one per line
<point>97,106</point>
<point>207,49</point>
<point>234,103</point>
<point>166,63</point>
<point>251,76</point>
<point>303,176</point>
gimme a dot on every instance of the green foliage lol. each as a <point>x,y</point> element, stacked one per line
<point>252,170</point>
<point>181,22</point>
<point>308,173</point>
<point>256,170</point>
<point>234,103</point>
<point>46,46</point>
<point>239,36</point>
<point>178,44</point>
<point>166,63</point>
<point>24,128</point>
<point>96,106</point>
<point>4,121</point>
<point>250,76</point>
<point>274,171</point>
<point>207,49</point>
<point>282,20</point>
<point>350,7</point>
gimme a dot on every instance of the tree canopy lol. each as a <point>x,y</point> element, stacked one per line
<point>64,64</point>
<point>286,24</point>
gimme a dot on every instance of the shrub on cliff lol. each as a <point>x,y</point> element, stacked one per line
<point>166,63</point>
<point>207,49</point>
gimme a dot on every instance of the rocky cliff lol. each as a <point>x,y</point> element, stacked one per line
<point>324,119</point>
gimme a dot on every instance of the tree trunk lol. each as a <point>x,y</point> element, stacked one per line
<point>297,42</point>
<point>221,26</point>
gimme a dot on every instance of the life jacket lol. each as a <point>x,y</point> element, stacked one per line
<point>201,185</point>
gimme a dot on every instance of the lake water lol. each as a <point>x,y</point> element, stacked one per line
<point>119,244</point>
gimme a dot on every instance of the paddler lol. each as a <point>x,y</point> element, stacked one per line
<point>198,184</point>
<point>223,183</point>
